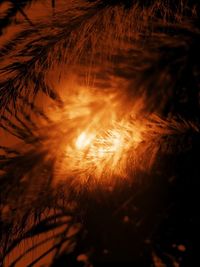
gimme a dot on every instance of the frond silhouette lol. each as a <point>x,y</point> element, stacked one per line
<point>99,118</point>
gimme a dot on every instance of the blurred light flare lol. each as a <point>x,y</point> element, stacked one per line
<point>83,140</point>
<point>100,135</point>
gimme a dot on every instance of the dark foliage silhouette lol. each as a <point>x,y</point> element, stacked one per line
<point>142,49</point>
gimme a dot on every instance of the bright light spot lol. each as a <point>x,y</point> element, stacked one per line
<point>83,140</point>
<point>101,136</point>
<point>102,148</point>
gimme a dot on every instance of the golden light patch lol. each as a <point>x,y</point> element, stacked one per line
<point>95,136</point>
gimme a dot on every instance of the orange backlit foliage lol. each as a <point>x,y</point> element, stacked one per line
<point>95,135</point>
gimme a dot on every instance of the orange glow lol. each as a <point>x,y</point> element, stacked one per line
<point>83,141</point>
<point>98,138</point>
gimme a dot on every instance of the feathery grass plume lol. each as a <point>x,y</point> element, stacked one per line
<point>39,169</point>
<point>86,34</point>
<point>91,140</point>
